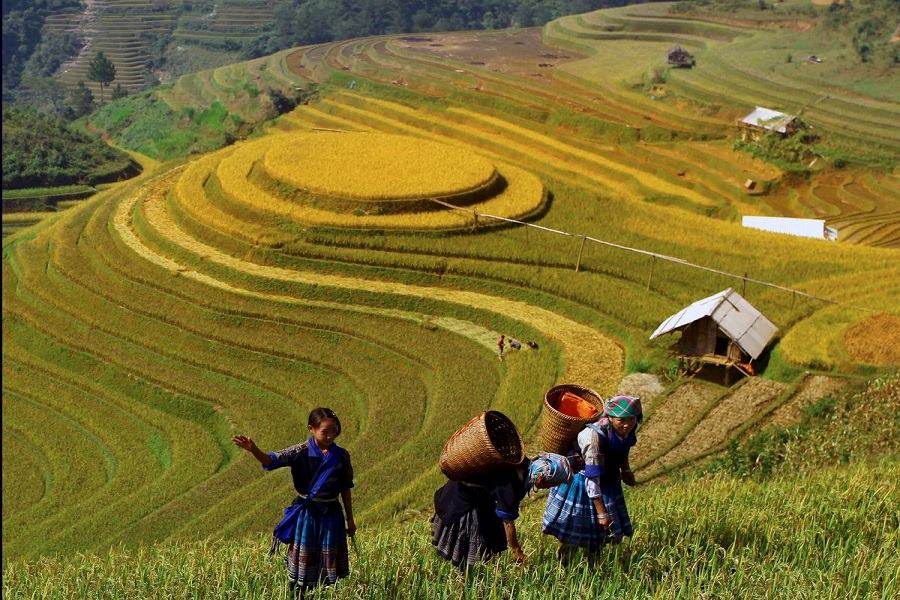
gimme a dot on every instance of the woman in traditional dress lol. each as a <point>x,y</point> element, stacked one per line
<point>474,519</point>
<point>590,511</point>
<point>313,526</point>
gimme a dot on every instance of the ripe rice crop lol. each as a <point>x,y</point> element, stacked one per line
<point>522,196</point>
<point>374,166</point>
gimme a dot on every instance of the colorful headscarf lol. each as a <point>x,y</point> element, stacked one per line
<point>549,470</point>
<point>623,407</point>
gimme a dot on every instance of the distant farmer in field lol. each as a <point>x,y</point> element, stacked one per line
<point>590,511</point>
<point>313,525</point>
<point>501,343</point>
<point>474,520</point>
<point>515,344</point>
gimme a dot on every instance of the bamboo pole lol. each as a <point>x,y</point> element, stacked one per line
<point>580,252</point>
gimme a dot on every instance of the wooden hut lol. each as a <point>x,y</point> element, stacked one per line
<point>763,120</point>
<point>723,330</point>
<point>680,57</point>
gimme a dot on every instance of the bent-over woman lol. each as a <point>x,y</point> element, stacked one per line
<point>590,511</point>
<point>474,519</point>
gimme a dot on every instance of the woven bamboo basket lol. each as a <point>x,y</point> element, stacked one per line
<point>558,430</point>
<point>485,443</point>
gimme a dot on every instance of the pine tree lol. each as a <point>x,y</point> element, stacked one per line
<point>102,70</point>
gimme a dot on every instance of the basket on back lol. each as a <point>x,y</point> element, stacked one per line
<point>567,409</point>
<point>485,443</point>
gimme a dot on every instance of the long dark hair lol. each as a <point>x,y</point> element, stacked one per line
<point>320,414</point>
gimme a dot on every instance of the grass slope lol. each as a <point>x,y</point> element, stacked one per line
<point>777,533</point>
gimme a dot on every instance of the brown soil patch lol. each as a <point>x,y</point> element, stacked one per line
<point>520,52</point>
<point>875,341</point>
<point>294,62</point>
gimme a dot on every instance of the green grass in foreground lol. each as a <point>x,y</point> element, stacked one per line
<point>831,534</point>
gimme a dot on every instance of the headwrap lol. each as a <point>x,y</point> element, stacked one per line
<point>623,407</point>
<point>549,470</point>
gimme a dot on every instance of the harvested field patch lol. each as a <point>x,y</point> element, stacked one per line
<point>875,340</point>
<point>813,389</point>
<point>670,419</point>
<point>515,52</point>
<point>716,427</point>
<point>645,386</point>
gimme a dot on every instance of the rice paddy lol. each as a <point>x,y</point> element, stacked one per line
<point>310,265</point>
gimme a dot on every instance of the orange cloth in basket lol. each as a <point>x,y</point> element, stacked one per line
<point>576,406</point>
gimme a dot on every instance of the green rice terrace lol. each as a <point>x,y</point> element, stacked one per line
<point>230,292</point>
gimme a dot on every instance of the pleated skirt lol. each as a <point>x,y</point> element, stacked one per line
<point>476,536</point>
<point>318,554</point>
<point>570,515</point>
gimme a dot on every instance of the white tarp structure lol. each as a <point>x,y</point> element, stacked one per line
<point>813,228</point>
<point>737,318</point>
<point>769,119</point>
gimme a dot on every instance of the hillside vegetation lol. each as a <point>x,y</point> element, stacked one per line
<point>41,150</point>
<point>233,291</point>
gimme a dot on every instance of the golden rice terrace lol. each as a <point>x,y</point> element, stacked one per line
<point>349,256</point>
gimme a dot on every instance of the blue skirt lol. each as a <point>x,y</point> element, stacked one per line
<point>318,554</point>
<point>570,515</point>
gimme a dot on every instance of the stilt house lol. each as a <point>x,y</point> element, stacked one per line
<point>723,330</point>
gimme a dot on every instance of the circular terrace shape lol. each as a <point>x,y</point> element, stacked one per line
<point>376,167</point>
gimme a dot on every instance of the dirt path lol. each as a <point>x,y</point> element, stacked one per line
<point>591,358</point>
<point>85,28</point>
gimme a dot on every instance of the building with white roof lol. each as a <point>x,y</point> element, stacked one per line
<point>812,228</point>
<point>763,120</point>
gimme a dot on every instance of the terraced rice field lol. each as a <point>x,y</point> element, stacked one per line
<point>123,30</point>
<point>150,324</point>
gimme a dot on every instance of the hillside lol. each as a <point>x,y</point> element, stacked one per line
<point>365,249</point>
<point>778,535</point>
<point>155,41</point>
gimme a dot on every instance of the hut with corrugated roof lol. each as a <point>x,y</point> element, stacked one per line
<point>764,120</point>
<point>723,330</point>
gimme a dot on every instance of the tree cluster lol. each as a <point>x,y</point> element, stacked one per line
<point>300,22</point>
<point>40,150</point>
<point>25,50</point>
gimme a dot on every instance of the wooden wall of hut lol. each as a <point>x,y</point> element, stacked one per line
<point>698,338</point>
<point>735,353</point>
